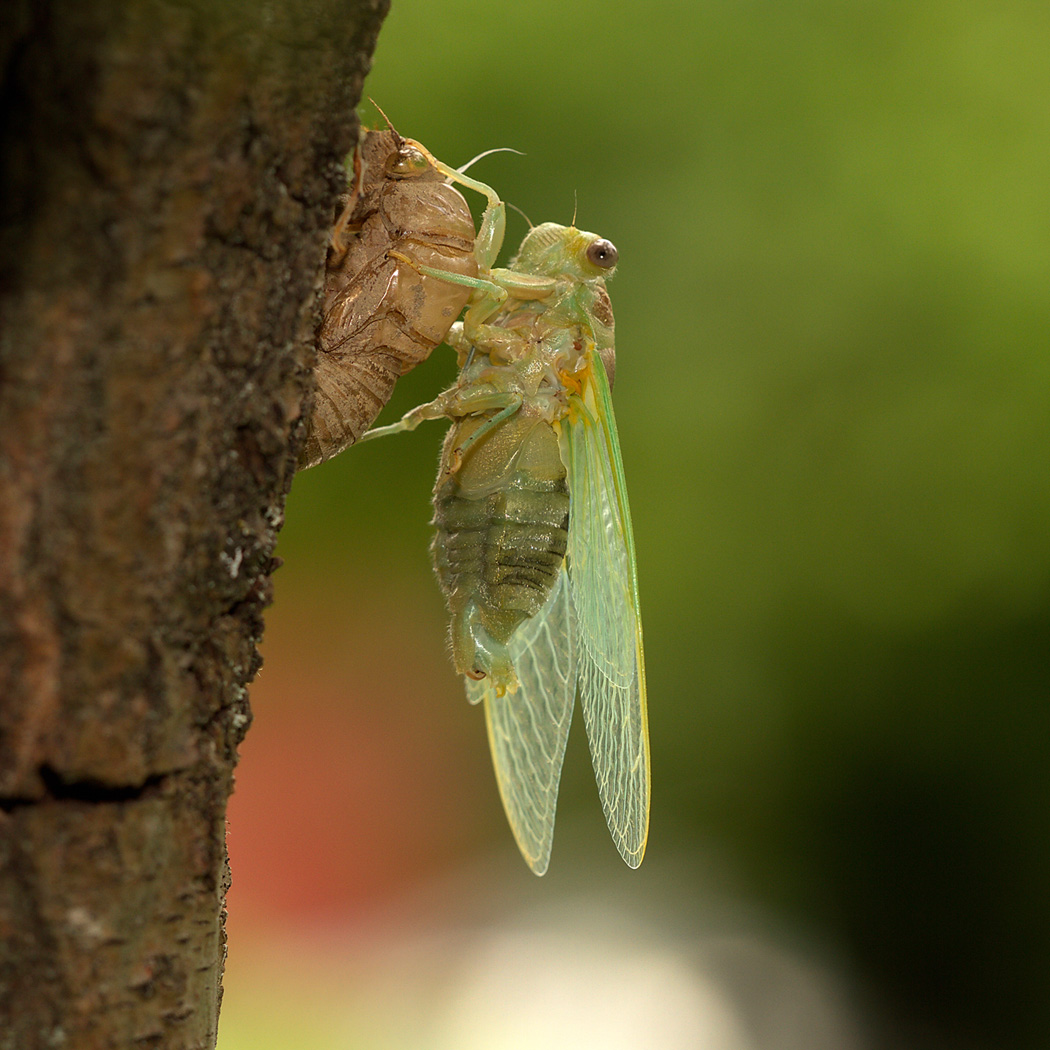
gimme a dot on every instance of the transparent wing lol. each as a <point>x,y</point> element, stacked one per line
<point>604,589</point>
<point>528,728</point>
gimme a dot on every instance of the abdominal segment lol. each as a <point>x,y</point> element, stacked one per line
<point>502,526</point>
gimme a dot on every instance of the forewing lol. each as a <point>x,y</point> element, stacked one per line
<point>529,727</point>
<point>608,628</point>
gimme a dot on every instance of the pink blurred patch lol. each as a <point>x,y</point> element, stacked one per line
<point>360,774</point>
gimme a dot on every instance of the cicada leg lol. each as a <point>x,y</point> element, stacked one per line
<point>491,291</point>
<point>338,245</point>
<point>511,285</point>
<point>489,239</point>
<point>512,405</point>
<point>451,405</point>
<point>492,294</point>
<point>500,345</point>
<point>436,409</point>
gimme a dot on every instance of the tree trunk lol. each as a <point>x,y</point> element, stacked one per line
<point>168,181</point>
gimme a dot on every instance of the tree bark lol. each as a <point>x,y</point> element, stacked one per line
<point>168,178</point>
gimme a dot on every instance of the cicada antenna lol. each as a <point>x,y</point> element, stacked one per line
<point>488,152</point>
<point>575,202</point>
<point>520,212</point>
<point>389,122</point>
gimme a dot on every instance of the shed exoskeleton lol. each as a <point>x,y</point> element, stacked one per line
<point>383,312</point>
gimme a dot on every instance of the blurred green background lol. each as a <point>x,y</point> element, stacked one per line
<point>832,386</point>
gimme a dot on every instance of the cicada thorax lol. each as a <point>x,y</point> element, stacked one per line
<point>502,515</point>
<point>603,327</point>
<point>382,317</point>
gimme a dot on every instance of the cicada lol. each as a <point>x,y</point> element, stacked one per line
<point>534,548</point>
<point>384,310</point>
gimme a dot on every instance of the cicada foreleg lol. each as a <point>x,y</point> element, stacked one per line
<point>488,292</point>
<point>492,290</point>
<point>453,404</point>
<point>511,285</point>
<point>436,409</point>
<point>489,238</point>
<point>487,242</point>
<point>499,345</point>
<point>337,243</point>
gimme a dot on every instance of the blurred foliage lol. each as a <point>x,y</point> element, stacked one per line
<point>832,391</point>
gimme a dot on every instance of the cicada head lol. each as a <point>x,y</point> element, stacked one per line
<point>552,250</point>
<point>383,155</point>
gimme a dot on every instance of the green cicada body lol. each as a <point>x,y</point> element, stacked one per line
<point>534,548</point>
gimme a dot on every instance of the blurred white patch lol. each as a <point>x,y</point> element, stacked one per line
<point>488,959</point>
<point>587,975</point>
<point>522,990</point>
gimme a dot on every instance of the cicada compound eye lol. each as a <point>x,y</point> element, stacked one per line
<point>406,162</point>
<point>602,253</point>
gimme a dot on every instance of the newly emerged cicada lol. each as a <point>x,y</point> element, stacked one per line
<point>534,549</point>
<point>382,313</point>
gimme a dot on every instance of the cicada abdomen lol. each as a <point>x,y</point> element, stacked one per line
<point>502,518</point>
<point>382,314</point>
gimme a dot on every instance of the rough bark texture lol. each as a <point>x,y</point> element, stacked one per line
<point>169,171</point>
